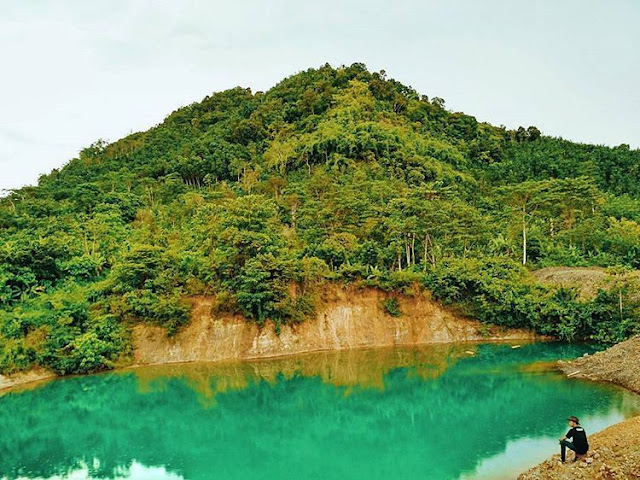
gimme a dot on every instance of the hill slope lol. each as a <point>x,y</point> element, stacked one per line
<point>333,175</point>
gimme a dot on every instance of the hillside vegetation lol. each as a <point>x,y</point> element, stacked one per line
<point>333,175</point>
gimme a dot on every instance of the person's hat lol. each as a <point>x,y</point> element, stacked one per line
<point>573,419</point>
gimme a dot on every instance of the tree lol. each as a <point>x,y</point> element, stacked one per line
<point>550,197</point>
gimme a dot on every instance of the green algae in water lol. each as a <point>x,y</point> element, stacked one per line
<point>438,412</point>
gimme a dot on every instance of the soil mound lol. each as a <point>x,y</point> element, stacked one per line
<point>619,364</point>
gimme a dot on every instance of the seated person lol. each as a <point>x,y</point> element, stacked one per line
<point>578,443</point>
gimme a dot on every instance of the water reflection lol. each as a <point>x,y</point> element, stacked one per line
<point>136,471</point>
<point>437,412</point>
<point>352,369</point>
<point>533,450</point>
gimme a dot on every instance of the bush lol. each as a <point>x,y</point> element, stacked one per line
<point>14,355</point>
<point>85,267</point>
<point>392,307</point>
<point>403,280</point>
<point>60,331</point>
<point>168,311</point>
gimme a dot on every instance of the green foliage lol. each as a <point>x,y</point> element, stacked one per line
<point>60,330</point>
<point>335,174</point>
<point>392,307</point>
<point>500,293</point>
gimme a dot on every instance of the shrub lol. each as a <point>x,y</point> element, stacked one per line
<point>392,307</point>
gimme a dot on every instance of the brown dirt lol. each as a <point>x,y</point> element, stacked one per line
<point>587,280</point>
<point>34,376</point>
<point>619,364</point>
<point>615,451</point>
<point>347,318</point>
<point>614,454</point>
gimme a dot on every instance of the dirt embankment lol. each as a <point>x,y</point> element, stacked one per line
<point>586,280</point>
<point>615,452</point>
<point>347,318</point>
<point>23,378</point>
<point>619,364</point>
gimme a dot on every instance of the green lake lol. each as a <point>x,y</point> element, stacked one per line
<point>466,411</point>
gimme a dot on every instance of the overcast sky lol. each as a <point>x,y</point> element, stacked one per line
<point>76,71</point>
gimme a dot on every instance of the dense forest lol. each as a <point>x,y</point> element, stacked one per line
<point>333,175</point>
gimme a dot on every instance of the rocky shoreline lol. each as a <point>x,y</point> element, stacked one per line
<point>615,451</point>
<point>619,364</point>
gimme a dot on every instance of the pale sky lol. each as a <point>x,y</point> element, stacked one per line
<point>74,71</point>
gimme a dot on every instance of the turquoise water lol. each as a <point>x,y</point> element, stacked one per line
<point>439,412</point>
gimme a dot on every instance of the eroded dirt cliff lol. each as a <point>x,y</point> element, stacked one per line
<point>346,318</point>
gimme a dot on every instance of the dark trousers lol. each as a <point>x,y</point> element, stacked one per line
<point>564,444</point>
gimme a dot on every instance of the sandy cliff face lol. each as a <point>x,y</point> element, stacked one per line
<point>347,318</point>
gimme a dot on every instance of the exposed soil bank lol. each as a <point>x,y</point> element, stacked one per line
<point>586,280</point>
<point>346,318</point>
<point>619,364</point>
<point>23,378</point>
<point>615,452</point>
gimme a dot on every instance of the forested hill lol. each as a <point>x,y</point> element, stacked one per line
<point>333,175</point>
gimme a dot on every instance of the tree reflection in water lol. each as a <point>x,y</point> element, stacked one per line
<point>425,412</point>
